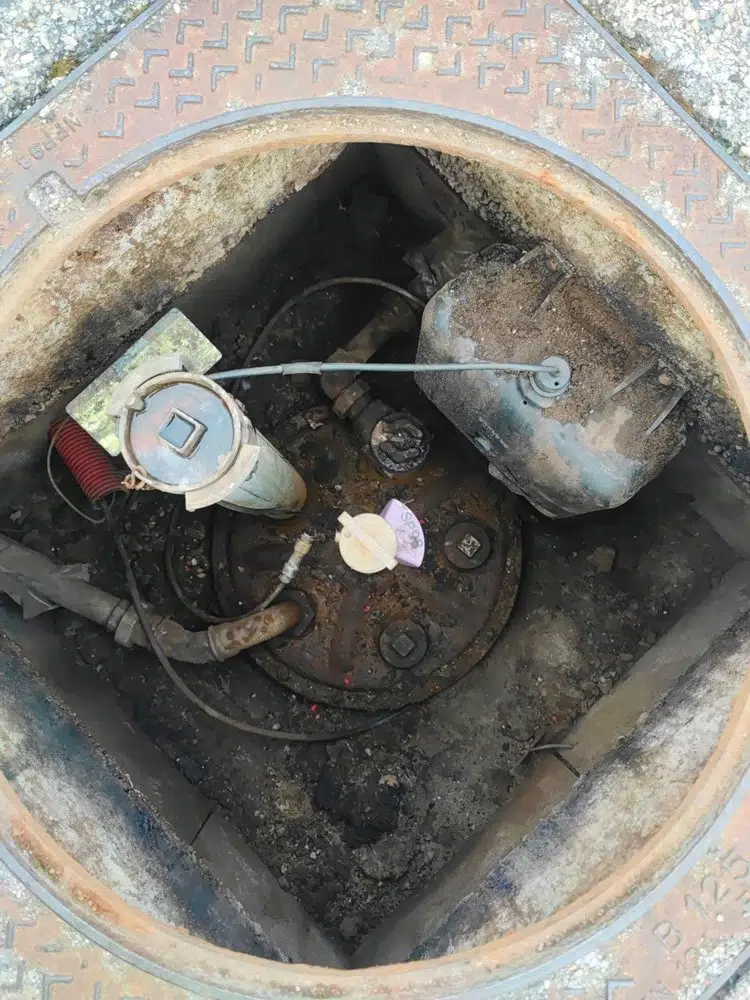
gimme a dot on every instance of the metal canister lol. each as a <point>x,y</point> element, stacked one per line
<point>180,432</point>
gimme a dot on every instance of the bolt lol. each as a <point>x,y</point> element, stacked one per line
<point>467,545</point>
<point>399,443</point>
<point>403,644</point>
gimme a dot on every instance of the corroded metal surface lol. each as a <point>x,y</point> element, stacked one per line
<point>232,638</point>
<point>684,941</point>
<point>534,71</point>
<point>339,660</point>
<point>44,958</point>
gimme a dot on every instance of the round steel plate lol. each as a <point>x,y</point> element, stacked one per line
<point>339,659</point>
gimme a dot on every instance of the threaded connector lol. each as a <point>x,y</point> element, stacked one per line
<point>291,567</point>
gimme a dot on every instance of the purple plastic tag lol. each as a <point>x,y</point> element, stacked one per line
<point>409,534</point>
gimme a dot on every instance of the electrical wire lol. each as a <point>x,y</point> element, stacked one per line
<point>270,597</point>
<point>550,746</point>
<point>58,490</point>
<point>323,367</point>
<point>172,578</point>
<point>321,286</point>
<point>165,663</point>
<point>169,567</point>
<point>286,369</point>
<point>161,656</point>
<point>240,724</point>
<point>318,368</point>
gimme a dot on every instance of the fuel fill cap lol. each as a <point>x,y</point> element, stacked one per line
<point>181,432</point>
<point>367,543</point>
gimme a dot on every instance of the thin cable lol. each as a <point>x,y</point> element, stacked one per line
<point>199,613</point>
<point>270,597</point>
<point>320,286</point>
<point>322,367</point>
<point>169,566</point>
<point>56,488</point>
<point>245,727</point>
<point>551,746</point>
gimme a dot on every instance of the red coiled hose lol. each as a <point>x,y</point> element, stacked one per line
<point>87,460</point>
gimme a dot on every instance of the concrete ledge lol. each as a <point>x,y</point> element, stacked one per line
<point>575,832</point>
<point>229,859</point>
<point>138,844</point>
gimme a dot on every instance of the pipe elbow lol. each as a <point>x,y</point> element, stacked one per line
<point>231,638</point>
<point>221,642</point>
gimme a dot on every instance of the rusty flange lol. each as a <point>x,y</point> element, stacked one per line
<point>536,87</point>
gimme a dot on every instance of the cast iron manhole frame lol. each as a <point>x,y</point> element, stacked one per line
<point>541,89</point>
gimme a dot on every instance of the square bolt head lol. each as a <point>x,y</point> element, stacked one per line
<point>469,545</point>
<point>403,645</point>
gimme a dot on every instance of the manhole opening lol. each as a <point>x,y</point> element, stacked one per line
<point>357,828</point>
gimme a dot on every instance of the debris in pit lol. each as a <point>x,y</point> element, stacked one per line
<point>388,858</point>
<point>603,558</point>
<point>365,799</point>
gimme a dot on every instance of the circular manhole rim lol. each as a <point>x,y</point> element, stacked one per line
<point>168,952</point>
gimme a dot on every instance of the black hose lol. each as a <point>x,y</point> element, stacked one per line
<point>171,572</point>
<point>169,567</point>
<point>321,286</point>
<point>240,724</point>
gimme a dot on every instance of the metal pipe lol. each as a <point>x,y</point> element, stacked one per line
<point>26,574</point>
<point>231,638</point>
<point>396,317</point>
<point>320,367</point>
<point>41,575</point>
<point>219,642</point>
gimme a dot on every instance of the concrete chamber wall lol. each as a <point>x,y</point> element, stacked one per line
<point>126,272</point>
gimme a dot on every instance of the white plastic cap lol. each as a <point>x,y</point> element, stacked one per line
<point>367,543</point>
